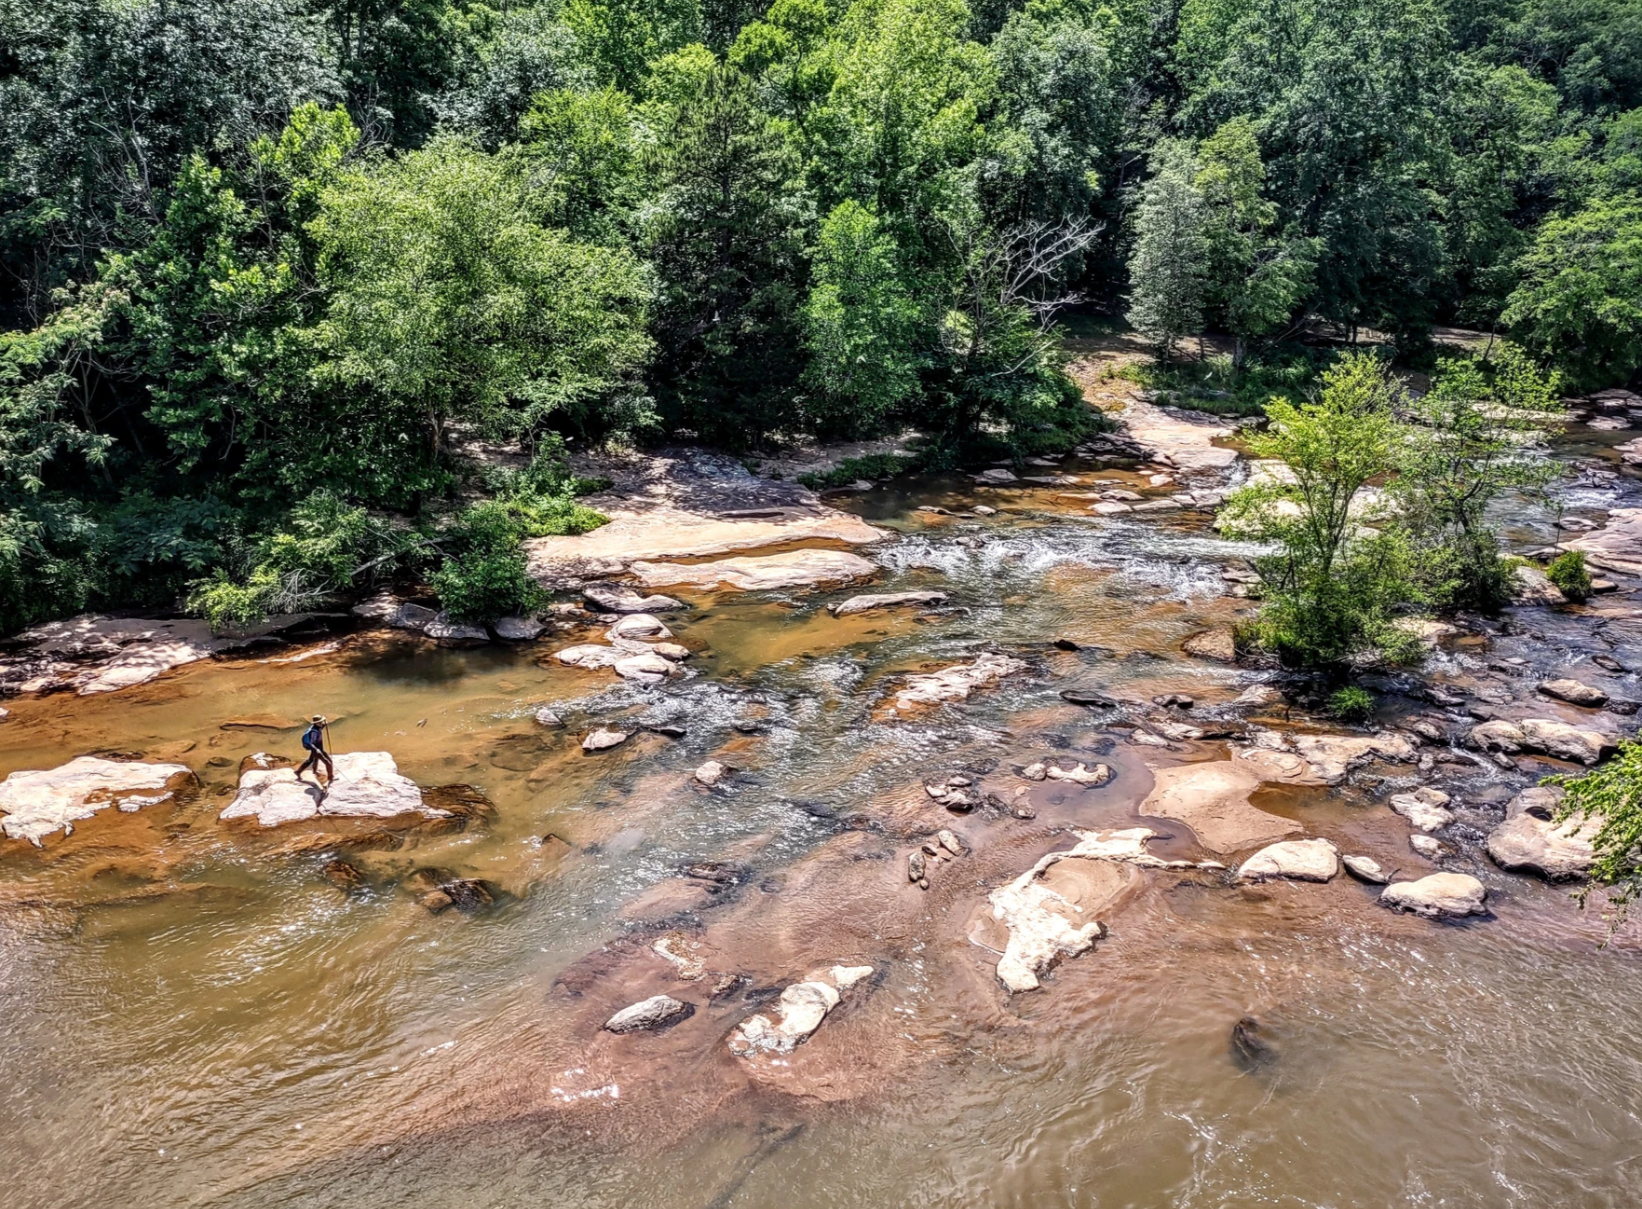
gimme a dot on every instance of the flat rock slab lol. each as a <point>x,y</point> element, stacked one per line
<point>1187,438</point>
<point>766,573</point>
<point>1334,757</point>
<point>35,804</point>
<point>368,784</point>
<point>886,600</point>
<point>609,598</point>
<point>957,682</point>
<point>1050,911</point>
<point>1617,546</point>
<point>1441,895</point>
<point>688,503</point>
<point>1426,808</point>
<point>1301,860</point>
<point>1218,644</point>
<point>1365,869</point>
<point>1213,800</point>
<point>798,1013</point>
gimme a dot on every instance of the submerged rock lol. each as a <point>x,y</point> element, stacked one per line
<point>1219,644</point>
<point>1212,799</point>
<point>656,1012</point>
<point>1450,895</point>
<point>957,682</point>
<point>1249,1046</point>
<point>368,784</point>
<point>800,1011</point>
<point>37,803</point>
<point>546,717</point>
<point>466,894</point>
<point>862,604</point>
<point>1301,860</point>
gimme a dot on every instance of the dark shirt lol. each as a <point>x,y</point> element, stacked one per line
<point>314,740</point>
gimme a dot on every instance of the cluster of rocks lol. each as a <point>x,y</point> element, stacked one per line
<point>928,856</point>
<point>640,648</point>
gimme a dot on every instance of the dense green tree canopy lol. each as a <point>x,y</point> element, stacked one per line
<point>254,249</point>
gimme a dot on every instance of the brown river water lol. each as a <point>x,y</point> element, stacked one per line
<point>192,1018</point>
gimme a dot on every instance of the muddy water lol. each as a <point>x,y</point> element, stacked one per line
<point>193,1018</point>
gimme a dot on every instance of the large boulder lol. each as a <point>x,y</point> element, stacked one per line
<point>1543,735</point>
<point>368,784</point>
<point>648,668</point>
<point>957,682</point>
<point>1446,895</point>
<point>1530,841</point>
<point>1301,860</point>
<point>518,629</point>
<point>1574,692</point>
<point>1564,741</point>
<point>1212,799</point>
<point>451,629</point>
<point>37,803</point>
<point>884,600</point>
<point>767,573</point>
<point>645,626</point>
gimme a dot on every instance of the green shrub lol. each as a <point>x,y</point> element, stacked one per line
<point>1568,573</point>
<point>1351,704</point>
<point>485,585</point>
<point>872,466</point>
<point>1611,795</point>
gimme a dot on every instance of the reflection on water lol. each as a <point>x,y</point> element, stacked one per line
<point>191,1018</point>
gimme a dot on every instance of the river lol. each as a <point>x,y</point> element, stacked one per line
<point>192,1019</point>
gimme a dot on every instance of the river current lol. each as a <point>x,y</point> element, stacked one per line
<point>188,1018</point>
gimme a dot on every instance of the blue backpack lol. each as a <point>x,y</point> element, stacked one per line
<point>309,741</point>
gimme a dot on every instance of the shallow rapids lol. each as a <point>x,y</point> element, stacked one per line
<point>193,1019</point>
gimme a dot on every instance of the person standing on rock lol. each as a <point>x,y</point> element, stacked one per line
<point>313,740</point>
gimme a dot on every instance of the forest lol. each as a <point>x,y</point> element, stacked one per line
<point>267,267</point>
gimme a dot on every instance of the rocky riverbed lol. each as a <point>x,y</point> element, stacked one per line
<point>879,837</point>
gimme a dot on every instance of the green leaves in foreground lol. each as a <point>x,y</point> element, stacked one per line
<point>1611,794</point>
